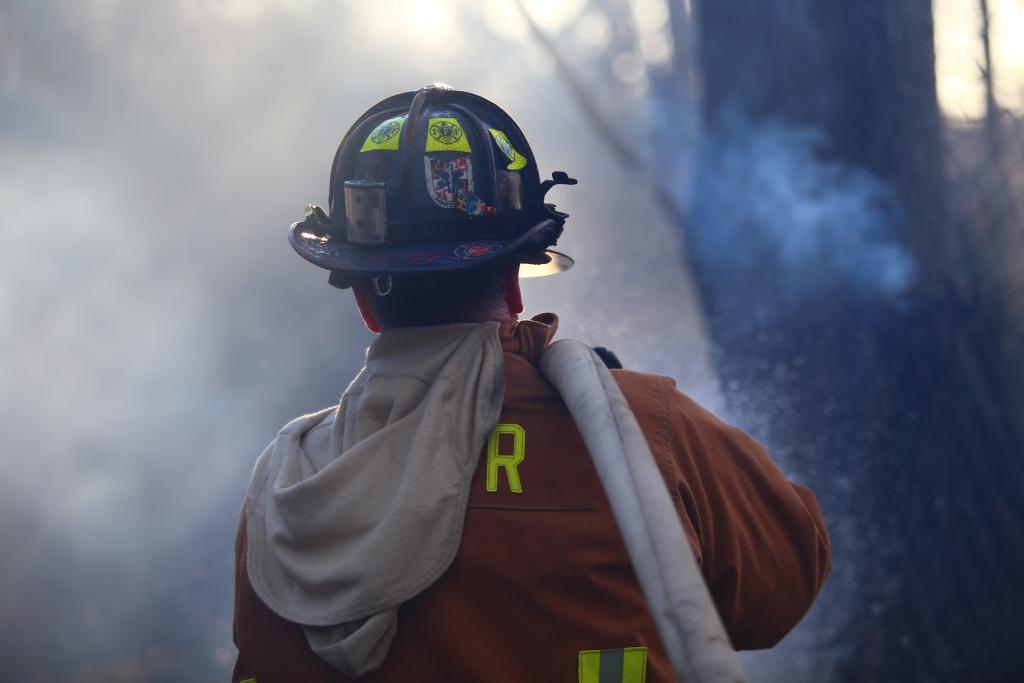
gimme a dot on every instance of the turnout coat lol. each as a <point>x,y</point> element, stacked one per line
<point>542,588</point>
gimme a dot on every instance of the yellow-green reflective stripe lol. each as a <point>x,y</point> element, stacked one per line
<point>619,665</point>
<point>634,665</point>
<point>385,136</point>
<point>590,666</point>
<point>247,680</point>
<point>517,160</point>
<point>444,134</point>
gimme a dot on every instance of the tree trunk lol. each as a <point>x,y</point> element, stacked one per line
<point>851,332</point>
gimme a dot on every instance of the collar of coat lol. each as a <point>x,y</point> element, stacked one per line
<point>528,338</point>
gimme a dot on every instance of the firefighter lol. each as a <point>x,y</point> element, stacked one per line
<point>444,521</point>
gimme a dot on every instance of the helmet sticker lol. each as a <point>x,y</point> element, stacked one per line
<point>517,160</point>
<point>385,135</point>
<point>473,250</point>
<point>448,177</point>
<point>473,205</point>
<point>444,134</point>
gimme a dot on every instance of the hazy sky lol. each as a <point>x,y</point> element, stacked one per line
<point>959,53</point>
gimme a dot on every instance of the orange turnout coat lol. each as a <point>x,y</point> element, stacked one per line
<point>542,588</point>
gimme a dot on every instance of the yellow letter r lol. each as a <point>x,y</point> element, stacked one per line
<point>511,462</point>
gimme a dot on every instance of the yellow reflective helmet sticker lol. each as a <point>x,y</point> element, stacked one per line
<point>517,160</point>
<point>508,462</point>
<point>385,136</point>
<point>444,134</point>
<point>620,665</point>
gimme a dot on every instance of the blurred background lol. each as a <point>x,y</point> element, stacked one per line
<point>808,212</point>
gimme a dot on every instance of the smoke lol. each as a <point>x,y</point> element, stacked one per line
<point>772,212</point>
<point>797,252</point>
<point>802,252</point>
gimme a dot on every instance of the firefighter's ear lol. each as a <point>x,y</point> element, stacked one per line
<point>366,308</point>
<point>513,295</point>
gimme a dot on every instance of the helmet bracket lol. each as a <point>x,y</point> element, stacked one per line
<point>557,178</point>
<point>366,218</point>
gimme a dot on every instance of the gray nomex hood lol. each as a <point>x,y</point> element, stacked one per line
<point>353,510</point>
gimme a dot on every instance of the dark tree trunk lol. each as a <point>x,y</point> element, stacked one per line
<point>851,332</point>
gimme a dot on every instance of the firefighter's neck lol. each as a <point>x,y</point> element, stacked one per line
<point>507,309</point>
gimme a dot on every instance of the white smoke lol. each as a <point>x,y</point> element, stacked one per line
<point>774,212</point>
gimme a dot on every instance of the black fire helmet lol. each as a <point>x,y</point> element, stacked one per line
<point>433,180</point>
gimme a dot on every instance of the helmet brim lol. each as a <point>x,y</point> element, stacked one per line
<point>421,257</point>
<point>558,263</point>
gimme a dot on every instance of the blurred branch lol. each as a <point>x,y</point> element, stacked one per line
<point>991,108</point>
<point>601,123</point>
<point>587,104</point>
